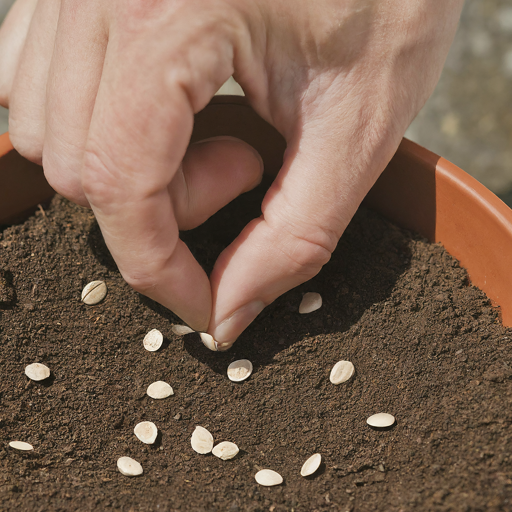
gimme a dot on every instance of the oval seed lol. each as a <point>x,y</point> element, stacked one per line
<point>37,371</point>
<point>202,440</point>
<point>208,341</point>
<point>310,302</point>
<point>268,477</point>
<point>225,450</point>
<point>381,420</point>
<point>129,467</point>
<point>181,330</point>
<point>153,340</point>
<point>311,465</point>
<point>146,431</point>
<point>159,390</point>
<point>239,370</point>
<point>341,372</point>
<point>94,292</point>
<point>20,445</point>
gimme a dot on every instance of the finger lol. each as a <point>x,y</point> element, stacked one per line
<point>28,94</point>
<point>213,173</point>
<point>13,34</point>
<point>73,82</point>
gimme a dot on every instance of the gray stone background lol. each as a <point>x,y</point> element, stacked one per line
<point>468,119</point>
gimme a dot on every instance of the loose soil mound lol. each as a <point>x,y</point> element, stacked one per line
<point>427,348</point>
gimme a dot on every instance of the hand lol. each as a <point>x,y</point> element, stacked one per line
<point>104,92</point>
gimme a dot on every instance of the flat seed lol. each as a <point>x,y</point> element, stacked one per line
<point>381,420</point>
<point>181,330</point>
<point>159,390</point>
<point>208,341</point>
<point>311,465</point>
<point>37,371</point>
<point>146,431</point>
<point>239,370</point>
<point>268,477</point>
<point>20,445</point>
<point>225,450</point>
<point>341,372</point>
<point>129,467</point>
<point>202,440</point>
<point>94,292</point>
<point>310,302</point>
<point>153,340</point>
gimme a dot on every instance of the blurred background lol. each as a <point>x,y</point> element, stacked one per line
<point>468,119</point>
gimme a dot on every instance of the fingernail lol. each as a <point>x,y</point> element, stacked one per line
<point>228,330</point>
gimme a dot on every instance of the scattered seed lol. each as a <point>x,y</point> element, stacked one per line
<point>268,477</point>
<point>129,467</point>
<point>381,420</point>
<point>311,465</point>
<point>208,341</point>
<point>153,340</point>
<point>225,450</point>
<point>37,371</point>
<point>202,440</point>
<point>310,302</point>
<point>20,445</point>
<point>181,330</point>
<point>94,292</point>
<point>341,372</point>
<point>159,389</point>
<point>146,431</point>
<point>239,370</point>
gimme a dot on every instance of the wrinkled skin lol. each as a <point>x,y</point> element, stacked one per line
<point>103,93</point>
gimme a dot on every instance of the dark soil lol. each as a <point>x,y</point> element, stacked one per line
<point>427,347</point>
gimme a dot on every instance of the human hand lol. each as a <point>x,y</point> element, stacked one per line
<point>104,94</point>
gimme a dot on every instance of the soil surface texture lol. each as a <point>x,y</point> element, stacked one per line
<point>426,345</point>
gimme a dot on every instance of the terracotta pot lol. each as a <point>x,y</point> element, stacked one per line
<point>418,190</point>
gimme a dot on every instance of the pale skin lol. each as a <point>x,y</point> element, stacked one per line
<point>103,94</point>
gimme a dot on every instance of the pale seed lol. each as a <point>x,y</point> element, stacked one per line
<point>153,340</point>
<point>146,431</point>
<point>208,341</point>
<point>202,440</point>
<point>129,467</point>
<point>239,370</point>
<point>20,445</point>
<point>310,302</point>
<point>341,372</point>
<point>159,389</point>
<point>268,477</point>
<point>181,330</point>
<point>381,420</point>
<point>311,465</point>
<point>225,450</point>
<point>37,371</point>
<point>94,292</point>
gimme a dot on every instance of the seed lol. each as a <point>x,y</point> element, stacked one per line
<point>268,477</point>
<point>37,371</point>
<point>239,370</point>
<point>153,340</point>
<point>159,389</point>
<point>310,302</point>
<point>20,445</point>
<point>94,292</point>
<point>146,432</point>
<point>181,330</point>
<point>381,420</point>
<point>225,450</point>
<point>129,467</point>
<point>311,465</point>
<point>341,372</point>
<point>208,341</point>
<point>202,440</point>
